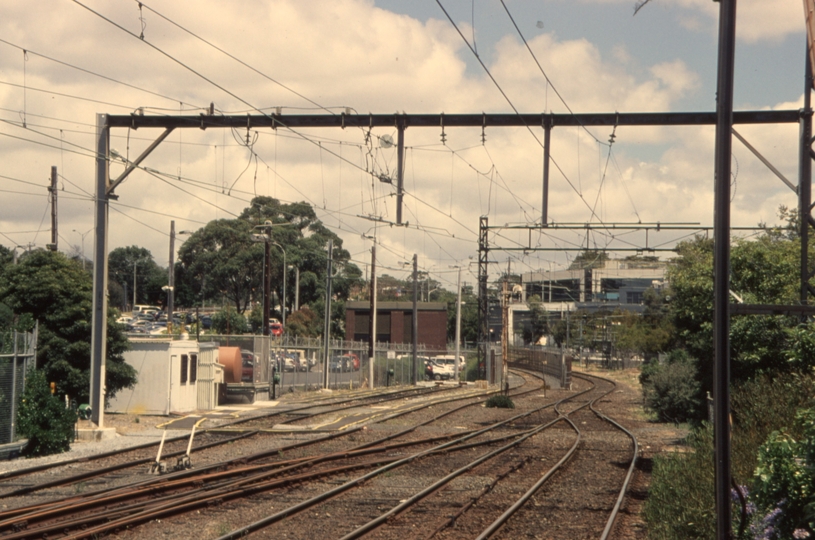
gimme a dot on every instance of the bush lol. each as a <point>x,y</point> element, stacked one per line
<point>43,418</point>
<point>671,390</point>
<point>500,401</point>
<point>784,480</point>
<point>681,502</point>
<point>471,369</point>
<point>229,322</point>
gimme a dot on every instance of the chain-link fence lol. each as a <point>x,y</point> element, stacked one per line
<point>299,362</point>
<point>18,351</point>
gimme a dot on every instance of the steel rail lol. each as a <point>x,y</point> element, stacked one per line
<point>77,478</point>
<point>489,531</point>
<point>382,519</point>
<point>260,524</point>
<point>120,466</point>
<point>194,500</point>
<point>618,504</point>
<point>40,468</point>
<point>503,518</point>
<point>107,500</point>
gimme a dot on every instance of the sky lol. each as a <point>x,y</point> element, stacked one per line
<point>64,63</point>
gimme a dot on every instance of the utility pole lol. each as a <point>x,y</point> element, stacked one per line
<point>327,325</point>
<point>458,324</point>
<point>415,317</point>
<point>296,288</point>
<point>134,284</point>
<point>267,283</point>
<point>171,280</point>
<point>504,329</point>
<point>53,194</point>
<point>372,321</point>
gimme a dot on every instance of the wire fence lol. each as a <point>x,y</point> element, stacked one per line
<point>18,351</point>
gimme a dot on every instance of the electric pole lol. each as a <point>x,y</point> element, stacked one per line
<point>327,326</point>
<point>372,321</point>
<point>171,280</point>
<point>52,191</point>
<point>415,325</point>
<point>458,324</point>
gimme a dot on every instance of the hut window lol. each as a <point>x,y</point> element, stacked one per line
<point>184,363</point>
<point>193,367</point>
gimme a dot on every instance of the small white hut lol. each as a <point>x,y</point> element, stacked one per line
<point>167,372</point>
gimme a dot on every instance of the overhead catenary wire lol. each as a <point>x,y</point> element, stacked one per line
<point>99,75</point>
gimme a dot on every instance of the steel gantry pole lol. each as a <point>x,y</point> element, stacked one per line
<point>400,166</point>
<point>100,273</point>
<point>721,266</point>
<point>805,183</point>
<point>483,302</point>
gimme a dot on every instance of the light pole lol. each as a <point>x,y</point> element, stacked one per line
<point>266,238</point>
<point>83,244</point>
<point>296,286</point>
<point>283,302</point>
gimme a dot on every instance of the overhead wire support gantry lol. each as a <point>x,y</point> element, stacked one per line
<point>401,121</point>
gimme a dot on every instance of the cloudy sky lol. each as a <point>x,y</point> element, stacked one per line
<point>61,64</point>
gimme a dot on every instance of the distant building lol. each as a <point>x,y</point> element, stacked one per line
<point>394,323</point>
<point>615,284</point>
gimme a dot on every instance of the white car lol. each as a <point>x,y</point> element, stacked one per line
<point>449,360</point>
<point>439,372</point>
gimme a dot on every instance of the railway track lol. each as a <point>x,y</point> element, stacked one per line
<point>410,474</point>
<point>24,481</point>
<point>76,511</point>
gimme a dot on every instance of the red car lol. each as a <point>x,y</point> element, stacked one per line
<point>276,329</point>
<point>354,360</point>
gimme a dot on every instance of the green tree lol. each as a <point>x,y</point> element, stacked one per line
<point>221,258</point>
<point>150,278</point>
<point>763,271</point>
<point>304,323</point>
<point>43,419</point>
<point>540,320</point>
<point>229,322</point>
<point>48,287</point>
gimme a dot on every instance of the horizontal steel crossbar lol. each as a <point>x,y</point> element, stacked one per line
<point>204,121</point>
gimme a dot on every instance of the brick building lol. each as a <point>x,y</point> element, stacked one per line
<point>394,322</point>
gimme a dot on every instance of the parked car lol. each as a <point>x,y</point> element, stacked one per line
<point>438,372</point>
<point>206,322</point>
<point>276,329</point>
<point>340,363</point>
<point>354,359</point>
<point>450,360</point>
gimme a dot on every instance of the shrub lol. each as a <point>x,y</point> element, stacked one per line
<point>500,401</point>
<point>681,501</point>
<point>671,390</point>
<point>43,418</point>
<point>784,480</point>
<point>229,322</point>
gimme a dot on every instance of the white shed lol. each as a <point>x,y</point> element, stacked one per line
<point>167,374</point>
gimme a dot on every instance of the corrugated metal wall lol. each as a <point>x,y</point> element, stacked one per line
<point>207,381</point>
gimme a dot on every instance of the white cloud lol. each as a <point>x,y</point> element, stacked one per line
<point>353,54</point>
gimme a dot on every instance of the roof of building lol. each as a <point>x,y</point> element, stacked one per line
<point>397,306</point>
